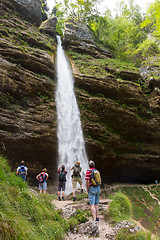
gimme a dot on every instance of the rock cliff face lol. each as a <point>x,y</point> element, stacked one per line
<point>79,38</point>
<point>120,123</point>
<point>27,80</point>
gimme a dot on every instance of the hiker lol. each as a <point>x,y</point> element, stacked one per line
<point>93,192</point>
<point>61,181</point>
<point>42,178</point>
<point>156,183</point>
<point>22,171</point>
<point>76,177</point>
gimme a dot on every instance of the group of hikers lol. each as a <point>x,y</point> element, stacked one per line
<point>93,182</point>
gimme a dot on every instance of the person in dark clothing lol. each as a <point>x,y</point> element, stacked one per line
<point>61,181</point>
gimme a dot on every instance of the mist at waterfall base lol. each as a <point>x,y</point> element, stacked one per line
<point>71,146</point>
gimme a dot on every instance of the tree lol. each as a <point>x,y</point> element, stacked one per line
<point>44,9</point>
<point>152,20</point>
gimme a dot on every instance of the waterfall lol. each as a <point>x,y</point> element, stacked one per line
<point>71,146</point>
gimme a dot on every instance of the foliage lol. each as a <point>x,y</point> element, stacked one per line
<point>22,214</point>
<point>152,20</point>
<point>147,48</point>
<point>44,9</point>
<point>126,235</point>
<point>145,209</point>
<point>119,208</point>
<point>79,217</point>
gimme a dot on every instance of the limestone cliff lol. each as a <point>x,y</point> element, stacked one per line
<point>120,123</point>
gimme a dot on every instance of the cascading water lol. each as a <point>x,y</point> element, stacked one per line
<point>71,147</point>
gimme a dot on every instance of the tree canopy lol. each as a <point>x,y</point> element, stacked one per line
<point>128,34</point>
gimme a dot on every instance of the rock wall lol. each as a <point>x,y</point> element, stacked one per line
<point>120,124</point>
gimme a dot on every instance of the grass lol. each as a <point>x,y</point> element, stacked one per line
<point>120,208</point>
<point>145,209</point>
<point>22,214</point>
<point>98,67</point>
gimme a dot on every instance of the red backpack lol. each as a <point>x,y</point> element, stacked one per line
<point>42,177</point>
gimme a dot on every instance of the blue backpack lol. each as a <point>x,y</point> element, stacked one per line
<point>22,170</point>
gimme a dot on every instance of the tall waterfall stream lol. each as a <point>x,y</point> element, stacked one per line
<point>71,146</point>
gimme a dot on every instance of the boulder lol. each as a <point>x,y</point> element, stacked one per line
<point>30,10</point>
<point>79,38</point>
<point>49,26</point>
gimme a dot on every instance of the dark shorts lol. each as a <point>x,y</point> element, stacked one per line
<point>61,185</point>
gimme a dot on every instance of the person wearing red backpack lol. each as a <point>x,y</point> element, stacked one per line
<point>42,178</point>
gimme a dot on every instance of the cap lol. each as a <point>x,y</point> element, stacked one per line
<point>78,162</point>
<point>91,163</point>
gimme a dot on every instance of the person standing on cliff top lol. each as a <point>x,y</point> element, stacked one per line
<point>22,171</point>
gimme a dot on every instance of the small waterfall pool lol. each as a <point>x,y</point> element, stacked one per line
<point>71,146</point>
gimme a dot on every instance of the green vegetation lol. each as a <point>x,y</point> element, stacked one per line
<point>126,34</point>
<point>145,208</point>
<point>79,217</point>
<point>22,214</point>
<point>119,208</point>
<point>126,235</point>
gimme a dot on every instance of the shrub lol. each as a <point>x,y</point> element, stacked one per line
<point>124,234</point>
<point>119,208</point>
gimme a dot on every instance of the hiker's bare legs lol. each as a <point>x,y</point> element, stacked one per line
<point>73,192</point>
<point>97,210</point>
<point>62,193</point>
<point>44,191</point>
<point>58,193</point>
<point>40,191</point>
<point>93,211</point>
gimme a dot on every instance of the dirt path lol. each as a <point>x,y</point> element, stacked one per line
<point>104,227</point>
<point>152,195</point>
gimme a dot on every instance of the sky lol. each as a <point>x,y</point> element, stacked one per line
<point>111,4</point>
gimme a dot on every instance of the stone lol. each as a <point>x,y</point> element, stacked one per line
<point>89,228</point>
<point>29,10</point>
<point>49,26</point>
<point>79,38</point>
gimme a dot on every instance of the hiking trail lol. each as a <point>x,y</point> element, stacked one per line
<point>104,227</point>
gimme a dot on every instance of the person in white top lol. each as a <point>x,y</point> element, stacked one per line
<point>22,171</point>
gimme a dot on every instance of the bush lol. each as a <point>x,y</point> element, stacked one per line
<point>147,48</point>
<point>119,208</point>
<point>126,235</point>
<point>24,215</point>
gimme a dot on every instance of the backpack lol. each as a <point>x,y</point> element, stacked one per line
<point>42,177</point>
<point>62,176</point>
<point>22,170</point>
<point>76,170</point>
<point>95,177</point>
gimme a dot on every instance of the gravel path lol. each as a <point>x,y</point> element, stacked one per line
<point>104,227</point>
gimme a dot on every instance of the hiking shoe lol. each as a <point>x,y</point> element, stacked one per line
<point>63,199</point>
<point>81,190</point>
<point>97,219</point>
<point>59,199</point>
<point>74,199</point>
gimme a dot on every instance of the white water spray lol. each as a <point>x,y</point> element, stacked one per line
<point>71,147</point>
